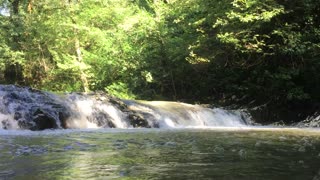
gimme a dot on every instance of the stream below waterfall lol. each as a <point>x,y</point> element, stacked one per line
<point>208,153</point>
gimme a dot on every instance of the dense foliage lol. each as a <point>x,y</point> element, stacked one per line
<point>191,50</point>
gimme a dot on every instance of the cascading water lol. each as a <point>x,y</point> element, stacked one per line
<point>26,108</point>
<point>178,115</point>
<point>94,111</point>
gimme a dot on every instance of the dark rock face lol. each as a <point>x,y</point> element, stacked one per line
<point>311,121</point>
<point>301,114</point>
<point>31,109</point>
<point>43,121</point>
<point>138,120</point>
<point>6,124</point>
<point>268,114</point>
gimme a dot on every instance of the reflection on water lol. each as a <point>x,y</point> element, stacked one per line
<point>161,154</point>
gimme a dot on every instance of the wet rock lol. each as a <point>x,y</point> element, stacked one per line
<point>5,124</point>
<point>24,124</point>
<point>101,119</point>
<point>31,109</point>
<point>17,115</point>
<point>271,114</point>
<point>137,120</point>
<point>43,121</point>
<point>310,121</point>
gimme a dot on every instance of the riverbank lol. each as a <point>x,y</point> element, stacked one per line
<point>299,114</point>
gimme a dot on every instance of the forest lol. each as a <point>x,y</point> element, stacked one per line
<point>199,51</point>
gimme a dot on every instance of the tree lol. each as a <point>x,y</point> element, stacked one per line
<point>193,50</point>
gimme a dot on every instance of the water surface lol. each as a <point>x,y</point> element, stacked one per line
<point>231,153</point>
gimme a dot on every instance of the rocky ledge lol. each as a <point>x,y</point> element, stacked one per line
<point>28,108</point>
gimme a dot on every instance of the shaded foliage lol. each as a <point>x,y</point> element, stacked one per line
<point>192,50</point>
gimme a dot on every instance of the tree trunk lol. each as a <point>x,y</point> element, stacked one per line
<point>13,72</point>
<point>83,76</point>
<point>15,7</point>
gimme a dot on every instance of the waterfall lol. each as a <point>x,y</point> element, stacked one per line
<point>165,114</point>
<point>26,108</point>
<point>94,111</point>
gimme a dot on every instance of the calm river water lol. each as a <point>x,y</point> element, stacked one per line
<point>161,154</point>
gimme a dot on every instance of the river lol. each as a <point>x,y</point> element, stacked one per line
<point>187,153</point>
